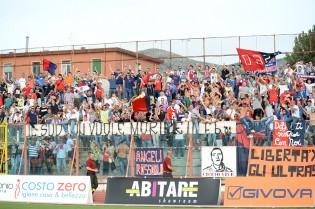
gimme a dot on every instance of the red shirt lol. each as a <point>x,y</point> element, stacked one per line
<point>80,83</point>
<point>60,85</point>
<point>285,96</point>
<point>106,156</point>
<point>99,92</point>
<point>171,113</point>
<point>273,94</point>
<point>27,91</point>
<point>146,137</point>
<point>33,95</point>
<point>91,164</point>
<point>191,74</point>
<point>158,85</point>
<point>30,83</point>
<point>167,162</point>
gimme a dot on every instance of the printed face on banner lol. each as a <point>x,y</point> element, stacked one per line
<point>218,161</point>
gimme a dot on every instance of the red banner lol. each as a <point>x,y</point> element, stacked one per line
<point>280,133</point>
<point>251,60</point>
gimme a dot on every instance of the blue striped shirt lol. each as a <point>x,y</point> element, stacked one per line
<point>33,150</point>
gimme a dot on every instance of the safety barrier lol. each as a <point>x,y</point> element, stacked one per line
<point>4,157</point>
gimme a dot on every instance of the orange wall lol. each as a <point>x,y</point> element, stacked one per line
<point>81,61</point>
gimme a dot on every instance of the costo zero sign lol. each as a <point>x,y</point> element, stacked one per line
<point>269,192</point>
<point>48,189</point>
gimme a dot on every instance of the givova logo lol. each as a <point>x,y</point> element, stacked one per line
<point>238,192</point>
<point>163,189</point>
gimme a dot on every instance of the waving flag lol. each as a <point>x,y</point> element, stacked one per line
<point>139,103</point>
<point>255,60</point>
<point>49,66</point>
<point>82,88</point>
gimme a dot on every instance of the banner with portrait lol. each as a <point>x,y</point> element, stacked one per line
<point>218,161</point>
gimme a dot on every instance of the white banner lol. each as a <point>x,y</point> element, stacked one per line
<point>218,161</point>
<point>131,128</point>
<point>46,189</point>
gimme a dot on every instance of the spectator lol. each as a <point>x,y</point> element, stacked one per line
<point>33,150</point>
<point>122,155</point>
<point>245,120</point>
<point>14,157</point>
<point>97,156</point>
<point>61,156</point>
<point>195,117</point>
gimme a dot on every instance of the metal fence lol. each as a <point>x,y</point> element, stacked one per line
<point>187,154</point>
<point>180,52</point>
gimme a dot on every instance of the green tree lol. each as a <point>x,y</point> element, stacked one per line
<point>304,48</point>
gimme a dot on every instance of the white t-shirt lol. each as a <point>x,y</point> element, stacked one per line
<point>296,113</point>
<point>22,82</point>
<point>287,71</point>
<point>283,88</point>
<point>10,88</point>
<point>262,89</point>
<point>32,101</point>
<point>309,87</point>
<point>109,101</point>
<point>160,99</point>
<point>269,111</point>
<point>177,107</point>
<point>214,77</point>
<point>70,144</point>
<point>210,111</point>
<point>231,113</point>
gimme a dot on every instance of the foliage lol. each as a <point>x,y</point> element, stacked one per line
<point>304,48</point>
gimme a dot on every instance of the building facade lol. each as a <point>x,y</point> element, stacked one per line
<point>84,60</point>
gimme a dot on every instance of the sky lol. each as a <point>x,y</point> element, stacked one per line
<point>68,22</point>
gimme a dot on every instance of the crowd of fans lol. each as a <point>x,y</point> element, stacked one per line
<point>203,94</point>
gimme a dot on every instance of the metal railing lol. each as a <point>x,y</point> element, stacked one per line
<point>174,52</point>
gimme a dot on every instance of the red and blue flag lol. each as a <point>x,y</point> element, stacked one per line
<point>49,66</point>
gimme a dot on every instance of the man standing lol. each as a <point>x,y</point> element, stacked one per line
<point>122,155</point>
<point>62,155</point>
<point>14,148</point>
<point>195,117</point>
<point>167,165</point>
<point>295,116</point>
<point>91,171</point>
<point>171,118</point>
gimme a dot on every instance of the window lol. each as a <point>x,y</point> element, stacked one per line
<point>7,68</point>
<point>36,68</point>
<point>97,65</point>
<point>66,66</point>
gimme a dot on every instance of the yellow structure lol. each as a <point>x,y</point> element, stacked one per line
<point>4,149</point>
